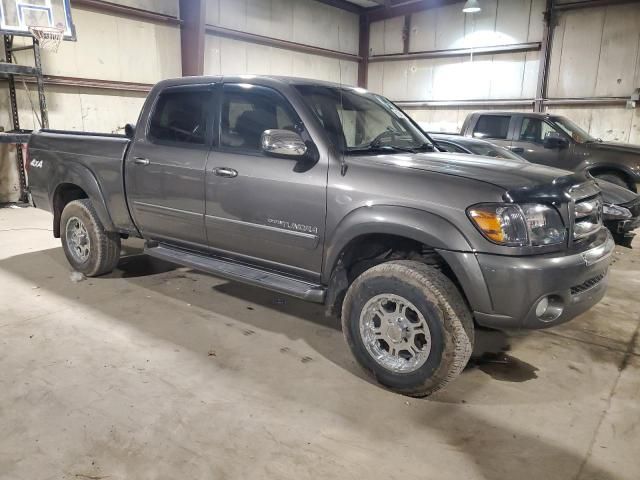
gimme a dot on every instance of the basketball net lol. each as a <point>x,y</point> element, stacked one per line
<point>48,38</point>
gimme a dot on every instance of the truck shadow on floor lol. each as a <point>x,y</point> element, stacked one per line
<point>297,320</point>
<point>460,427</point>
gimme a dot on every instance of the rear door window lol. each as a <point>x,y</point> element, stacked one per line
<point>492,127</point>
<point>181,116</point>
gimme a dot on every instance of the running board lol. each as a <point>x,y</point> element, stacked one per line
<point>240,273</point>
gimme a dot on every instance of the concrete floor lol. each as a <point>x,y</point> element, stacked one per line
<point>161,372</point>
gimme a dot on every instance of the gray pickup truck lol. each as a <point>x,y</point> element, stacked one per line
<point>556,141</point>
<point>331,194</point>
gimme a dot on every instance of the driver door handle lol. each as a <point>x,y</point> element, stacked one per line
<point>141,161</point>
<point>225,172</point>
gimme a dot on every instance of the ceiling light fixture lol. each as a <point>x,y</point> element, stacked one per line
<point>472,6</point>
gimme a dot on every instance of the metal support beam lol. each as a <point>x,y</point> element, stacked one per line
<point>406,34</point>
<point>42,99</point>
<point>15,120</point>
<point>397,8</point>
<point>558,7</point>
<point>464,103</point>
<point>192,14</point>
<point>343,5</point>
<point>545,56</point>
<point>518,102</point>
<point>457,52</point>
<point>363,51</point>
<point>277,43</point>
<point>126,11</point>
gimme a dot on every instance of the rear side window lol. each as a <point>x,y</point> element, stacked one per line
<point>492,126</point>
<point>535,130</point>
<point>181,116</point>
<point>249,110</point>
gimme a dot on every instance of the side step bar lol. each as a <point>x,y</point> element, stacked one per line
<point>240,273</point>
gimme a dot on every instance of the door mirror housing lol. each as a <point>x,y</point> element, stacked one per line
<point>283,143</point>
<point>555,140</point>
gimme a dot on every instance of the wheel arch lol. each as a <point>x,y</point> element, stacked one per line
<point>403,233</point>
<point>623,172</point>
<point>404,222</point>
<point>78,182</point>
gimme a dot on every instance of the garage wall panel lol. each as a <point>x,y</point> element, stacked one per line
<point>114,48</point>
<point>225,56</point>
<point>302,21</point>
<point>500,76</point>
<point>504,76</point>
<point>596,52</point>
<point>76,108</point>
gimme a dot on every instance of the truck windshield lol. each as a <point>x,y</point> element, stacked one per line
<point>359,122</point>
<point>573,130</point>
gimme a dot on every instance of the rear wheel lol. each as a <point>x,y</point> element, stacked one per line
<point>88,247</point>
<point>408,325</point>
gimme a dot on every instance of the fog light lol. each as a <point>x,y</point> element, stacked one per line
<point>549,308</point>
<point>542,306</point>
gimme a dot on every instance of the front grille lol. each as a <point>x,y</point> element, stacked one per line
<point>587,216</point>
<point>583,287</point>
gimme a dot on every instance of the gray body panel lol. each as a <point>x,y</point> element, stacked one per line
<point>292,219</point>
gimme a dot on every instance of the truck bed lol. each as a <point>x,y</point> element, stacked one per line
<point>94,161</point>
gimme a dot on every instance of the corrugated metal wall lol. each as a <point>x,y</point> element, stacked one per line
<point>302,21</point>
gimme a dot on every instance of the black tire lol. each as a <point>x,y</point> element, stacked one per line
<point>613,178</point>
<point>441,305</point>
<point>104,247</point>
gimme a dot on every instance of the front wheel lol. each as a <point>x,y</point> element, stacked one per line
<point>88,247</point>
<point>408,325</point>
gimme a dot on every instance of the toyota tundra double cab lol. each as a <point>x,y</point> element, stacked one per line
<point>333,195</point>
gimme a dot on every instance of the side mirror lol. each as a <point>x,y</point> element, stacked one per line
<point>283,143</point>
<point>555,140</point>
<point>130,130</point>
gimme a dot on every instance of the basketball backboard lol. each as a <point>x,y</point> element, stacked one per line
<point>16,16</point>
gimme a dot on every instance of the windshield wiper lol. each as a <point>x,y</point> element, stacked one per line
<point>392,148</point>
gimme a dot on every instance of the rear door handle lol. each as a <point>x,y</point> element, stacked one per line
<point>225,172</point>
<point>141,161</point>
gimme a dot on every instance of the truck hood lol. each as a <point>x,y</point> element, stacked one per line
<point>504,173</point>
<point>626,148</point>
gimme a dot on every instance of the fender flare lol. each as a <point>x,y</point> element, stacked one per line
<point>80,176</point>
<point>613,167</point>
<point>418,225</point>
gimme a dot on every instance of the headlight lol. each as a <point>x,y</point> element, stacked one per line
<point>518,225</point>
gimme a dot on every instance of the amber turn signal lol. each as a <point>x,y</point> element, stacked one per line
<point>489,223</point>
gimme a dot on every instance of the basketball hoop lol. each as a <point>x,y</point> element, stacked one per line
<point>48,38</point>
